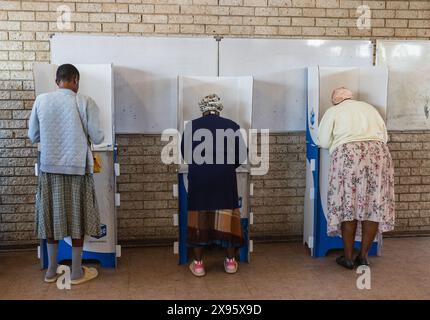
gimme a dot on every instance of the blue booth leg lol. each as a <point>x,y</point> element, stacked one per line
<point>244,250</point>
<point>183,220</point>
<point>44,253</point>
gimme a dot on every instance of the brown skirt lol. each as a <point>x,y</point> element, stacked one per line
<point>221,227</point>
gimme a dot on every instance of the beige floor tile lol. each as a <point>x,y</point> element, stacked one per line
<point>277,271</point>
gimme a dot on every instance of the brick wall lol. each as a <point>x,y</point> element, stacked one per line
<point>411,156</point>
<point>147,203</point>
<point>145,184</point>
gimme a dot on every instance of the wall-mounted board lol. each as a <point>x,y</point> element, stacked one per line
<point>409,82</point>
<point>145,73</point>
<point>279,70</point>
<point>96,81</point>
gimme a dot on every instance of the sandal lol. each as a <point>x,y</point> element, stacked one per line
<point>360,261</point>
<point>342,261</point>
<point>54,278</point>
<point>89,274</point>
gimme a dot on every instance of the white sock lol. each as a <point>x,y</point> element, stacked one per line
<point>52,260</point>
<point>77,271</point>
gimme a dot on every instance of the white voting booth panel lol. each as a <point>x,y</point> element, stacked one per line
<point>96,81</point>
<point>279,69</point>
<point>409,84</point>
<point>367,84</point>
<point>145,72</point>
<point>236,96</point>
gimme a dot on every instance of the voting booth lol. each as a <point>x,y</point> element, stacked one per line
<point>236,96</point>
<point>368,84</point>
<point>96,81</point>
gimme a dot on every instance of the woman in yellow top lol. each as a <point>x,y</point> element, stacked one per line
<point>361,179</point>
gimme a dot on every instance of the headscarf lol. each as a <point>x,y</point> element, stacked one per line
<point>211,103</point>
<point>341,94</point>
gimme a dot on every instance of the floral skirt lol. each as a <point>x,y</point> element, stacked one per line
<point>361,186</point>
<point>66,206</point>
<point>215,227</point>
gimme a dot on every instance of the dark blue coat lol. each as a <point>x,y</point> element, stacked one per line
<point>213,186</point>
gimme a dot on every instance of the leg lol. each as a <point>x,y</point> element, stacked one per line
<point>77,242</point>
<point>51,273</point>
<point>370,229</point>
<point>77,248</point>
<point>231,252</point>
<point>348,236</point>
<point>78,274</point>
<point>198,253</point>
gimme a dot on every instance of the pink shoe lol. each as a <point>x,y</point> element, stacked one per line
<point>230,265</point>
<point>197,268</point>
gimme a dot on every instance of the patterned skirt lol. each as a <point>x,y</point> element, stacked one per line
<point>220,227</point>
<point>361,186</point>
<point>66,206</point>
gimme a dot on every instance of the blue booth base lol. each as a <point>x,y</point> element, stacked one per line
<point>335,243</point>
<point>106,260</point>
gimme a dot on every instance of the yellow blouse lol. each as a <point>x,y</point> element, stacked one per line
<point>350,121</point>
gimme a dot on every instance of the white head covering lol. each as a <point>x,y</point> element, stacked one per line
<point>211,103</point>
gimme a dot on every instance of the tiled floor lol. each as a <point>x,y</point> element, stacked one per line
<point>277,271</point>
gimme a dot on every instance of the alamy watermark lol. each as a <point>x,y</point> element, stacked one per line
<point>365,18</point>
<point>225,146</point>
<point>64,279</point>
<point>64,20</point>
<point>364,281</point>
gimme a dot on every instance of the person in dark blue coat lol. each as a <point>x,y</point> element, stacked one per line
<point>213,148</point>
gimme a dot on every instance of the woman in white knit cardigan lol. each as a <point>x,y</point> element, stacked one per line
<point>63,123</point>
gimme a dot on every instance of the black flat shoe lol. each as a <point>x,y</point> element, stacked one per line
<point>359,261</point>
<point>342,261</point>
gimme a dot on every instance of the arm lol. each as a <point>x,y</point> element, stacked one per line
<point>93,117</point>
<point>33,125</point>
<point>325,130</point>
